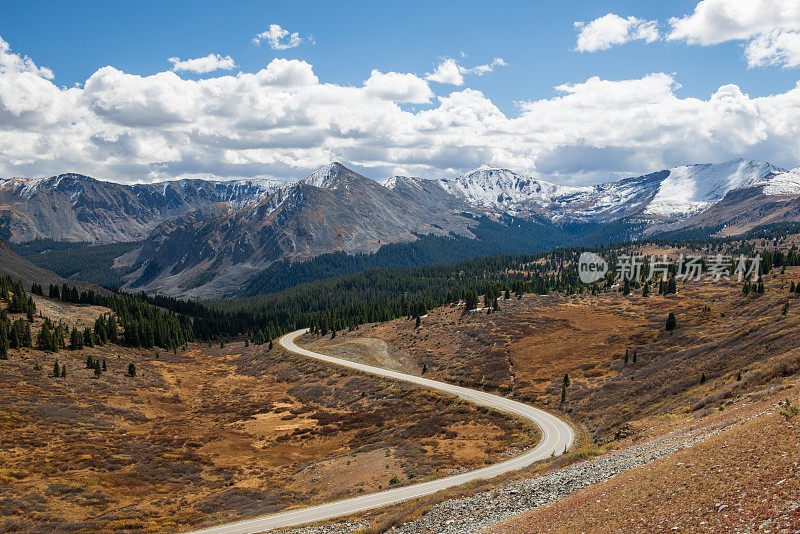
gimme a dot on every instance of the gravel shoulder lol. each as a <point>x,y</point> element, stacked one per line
<point>647,486</point>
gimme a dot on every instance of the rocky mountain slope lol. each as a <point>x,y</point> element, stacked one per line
<point>73,207</point>
<point>206,238</point>
<point>334,209</point>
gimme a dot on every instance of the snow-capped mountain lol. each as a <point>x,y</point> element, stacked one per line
<point>692,188</point>
<point>493,187</point>
<point>669,194</point>
<point>207,238</point>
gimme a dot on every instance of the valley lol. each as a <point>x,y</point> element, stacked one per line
<point>218,423</point>
<point>195,410</point>
<point>204,434</point>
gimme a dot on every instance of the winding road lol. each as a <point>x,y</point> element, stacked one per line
<point>557,437</point>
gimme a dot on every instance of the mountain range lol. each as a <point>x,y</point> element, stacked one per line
<point>203,238</point>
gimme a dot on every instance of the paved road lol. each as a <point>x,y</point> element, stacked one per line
<point>557,436</point>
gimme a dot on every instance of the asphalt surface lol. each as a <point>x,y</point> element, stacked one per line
<point>557,437</point>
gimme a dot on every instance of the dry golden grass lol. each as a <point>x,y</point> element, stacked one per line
<point>209,435</point>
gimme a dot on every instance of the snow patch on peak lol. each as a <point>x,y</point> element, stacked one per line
<point>408,181</point>
<point>486,167</point>
<point>326,177</point>
<point>494,187</point>
<point>692,188</point>
<point>784,183</point>
<point>389,183</point>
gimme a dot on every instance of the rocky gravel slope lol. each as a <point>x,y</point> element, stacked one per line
<point>485,509</point>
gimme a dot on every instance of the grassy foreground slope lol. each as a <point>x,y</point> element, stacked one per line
<point>207,434</point>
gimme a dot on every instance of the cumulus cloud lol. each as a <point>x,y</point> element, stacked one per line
<point>447,71</point>
<point>770,28</point>
<point>15,64</point>
<point>609,30</point>
<point>202,65</point>
<point>717,21</point>
<point>280,39</point>
<point>779,48</point>
<point>450,72</point>
<point>282,121</point>
<point>398,87</point>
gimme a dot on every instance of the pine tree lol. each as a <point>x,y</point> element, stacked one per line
<point>634,356</point>
<point>672,285</point>
<point>56,369</point>
<point>131,369</point>
<point>88,340</point>
<point>27,337</point>
<point>63,371</point>
<point>471,299</point>
<point>738,376</point>
<point>671,322</point>
<point>270,342</point>
<point>75,339</point>
<point>104,365</point>
<point>419,322</point>
<point>646,289</point>
<point>703,378</point>
<point>46,340</point>
<point>564,386</point>
<point>626,356</point>
<point>424,368</point>
<point>3,342</point>
<point>97,369</point>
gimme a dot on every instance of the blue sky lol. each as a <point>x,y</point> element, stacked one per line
<point>536,41</point>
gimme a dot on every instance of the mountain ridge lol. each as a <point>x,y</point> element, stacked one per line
<point>207,239</point>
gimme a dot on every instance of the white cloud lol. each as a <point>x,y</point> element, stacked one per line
<point>450,72</point>
<point>609,30</point>
<point>288,73</point>
<point>771,28</point>
<point>778,48</point>
<point>447,71</point>
<point>14,63</point>
<point>282,121</point>
<point>717,21</point>
<point>398,87</point>
<point>202,65</point>
<point>281,39</point>
<point>480,70</point>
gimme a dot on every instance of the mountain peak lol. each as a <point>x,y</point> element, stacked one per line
<point>329,176</point>
<point>486,168</point>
